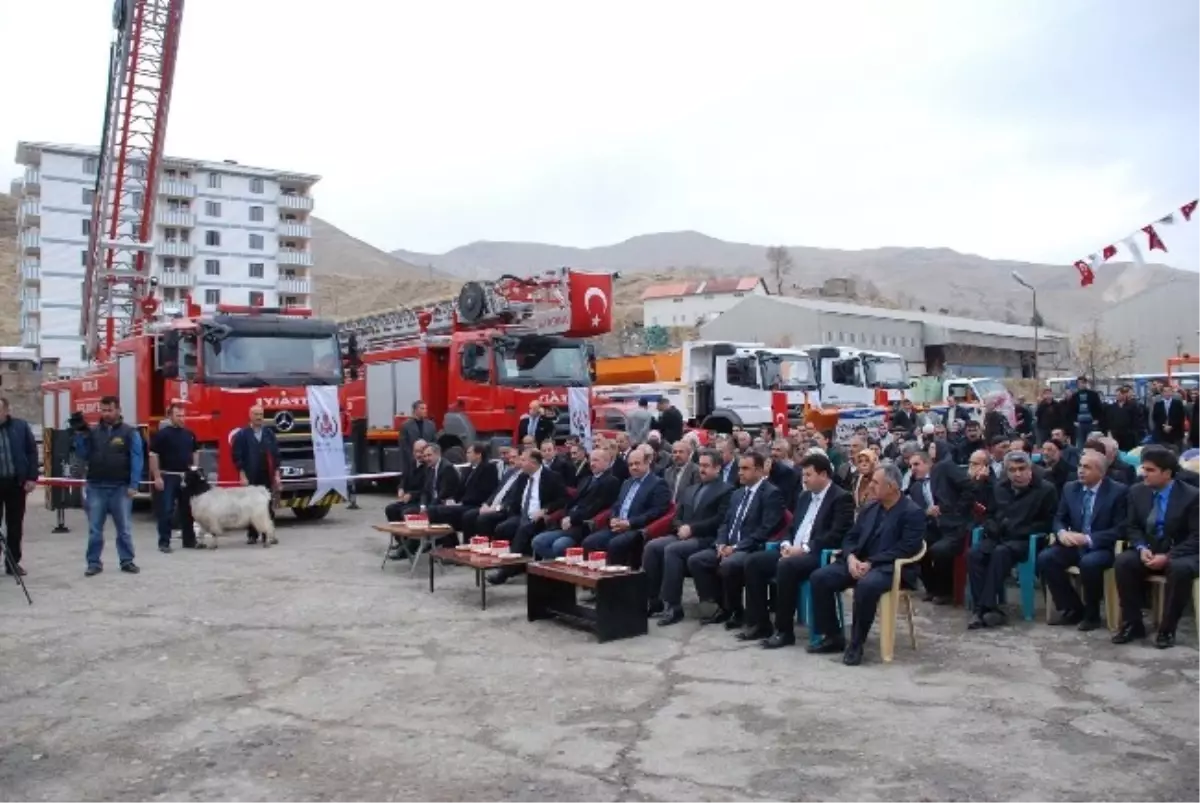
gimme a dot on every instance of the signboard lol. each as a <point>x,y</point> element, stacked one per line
<point>873,418</point>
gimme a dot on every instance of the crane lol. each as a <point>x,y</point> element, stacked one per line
<point>117,291</point>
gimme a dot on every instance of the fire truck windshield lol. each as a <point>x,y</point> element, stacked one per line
<point>542,361</point>
<point>256,360</point>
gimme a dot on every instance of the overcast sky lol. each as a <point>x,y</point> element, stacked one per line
<point>1025,129</point>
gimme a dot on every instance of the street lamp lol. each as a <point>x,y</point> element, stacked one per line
<point>1037,319</point>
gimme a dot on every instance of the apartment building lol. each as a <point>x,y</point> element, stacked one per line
<point>224,233</point>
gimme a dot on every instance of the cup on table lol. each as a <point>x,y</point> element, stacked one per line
<point>480,543</point>
<point>499,547</point>
<point>575,555</point>
<point>597,560</point>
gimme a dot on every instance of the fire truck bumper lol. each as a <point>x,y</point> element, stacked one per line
<point>300,494</point>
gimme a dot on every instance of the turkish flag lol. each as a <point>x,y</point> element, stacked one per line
<point>779,412</point>
<point>591,303</point>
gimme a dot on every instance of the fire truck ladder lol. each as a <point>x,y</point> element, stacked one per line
<point>142,55</point>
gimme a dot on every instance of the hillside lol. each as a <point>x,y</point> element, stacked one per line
<point>10,302</point>
<point>936,278</point>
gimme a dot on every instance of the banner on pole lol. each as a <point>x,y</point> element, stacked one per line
<point>329,450</point>
<point>579,407</point>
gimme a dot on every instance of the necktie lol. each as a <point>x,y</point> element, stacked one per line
<point>434,495</point>
<point>533,426</point>
<point>678,479</point>
<point>528,498</point>
<point>735,532</point>
<point>1089,503</point>
<point>1152,520</point>
<point>627,502</point>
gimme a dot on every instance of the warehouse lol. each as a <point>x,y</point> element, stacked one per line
<point>931,344</point>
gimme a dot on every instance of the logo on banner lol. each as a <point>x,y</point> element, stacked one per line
<point>326,426</point>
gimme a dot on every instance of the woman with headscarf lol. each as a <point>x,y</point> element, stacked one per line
<point>866,462</point>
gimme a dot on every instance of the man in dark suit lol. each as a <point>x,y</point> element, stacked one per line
<point>537,424</point>
<point>643,498</point>
<point>541,493</point>
<point>1163,533</point>
<point>1057,471</point>
<point>1126,420</point>
<point>596,494</point>
<point>887,529</point>
<point>824,514</point>
<point>494,510</point>
<point>441,479</point>
<point>754,517</point>
<point>1167,416</point>
<point>256,456</point>
<point>700,511</point>
<point>782,474</point>
<point>477,485</point>
<point>1091,513</point>
<point>620,464</point>
<point>683,472</point>
<point>412,484</point>
<point>943,492</point>
<point>574,466</point>
<point>1021,506</point>
<point>670,420</point>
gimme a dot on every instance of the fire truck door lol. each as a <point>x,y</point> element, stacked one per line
<point>436,384</point>
<point>64,410</point>
<point>127,389</point>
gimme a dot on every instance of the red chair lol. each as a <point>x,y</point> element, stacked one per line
<point>660,526</point>
<point>784,528</point>
<point>960,573</point>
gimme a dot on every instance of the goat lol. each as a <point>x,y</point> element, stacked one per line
<point>219,510</point>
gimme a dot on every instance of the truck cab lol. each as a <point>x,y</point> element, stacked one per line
<point>733,384</point>
<point>854,377</point>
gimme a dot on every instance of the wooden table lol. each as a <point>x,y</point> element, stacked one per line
<point>401,532</point>
<point>479,561</point>
<point>621,598</point>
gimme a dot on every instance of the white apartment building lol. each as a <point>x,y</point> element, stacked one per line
<point>224,233</point>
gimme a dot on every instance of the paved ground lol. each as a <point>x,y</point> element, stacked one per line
<point>304,672</point>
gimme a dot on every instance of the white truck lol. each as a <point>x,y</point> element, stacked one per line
<point>855,377</point>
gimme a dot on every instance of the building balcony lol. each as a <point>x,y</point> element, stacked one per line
<point>293,286</point>
<point>177,188</point>
<point>176,218</point>
<point>291,228</point>
<point>294,256</point>
<point>33,181</point>
<point>31,305</point>
<point>175,248</point>
<point>29,213</point>
<point>303,203</point>
<point>29,241</point>
<point>31,337</point>
<point>31,271</point>
<point>176,278</point>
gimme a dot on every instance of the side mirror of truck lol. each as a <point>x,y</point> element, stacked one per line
<point>353,356</point>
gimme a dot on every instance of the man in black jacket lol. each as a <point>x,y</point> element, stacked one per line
<point>1126,419</point>
<point>943,491</point>
<point>542,493</point>
<point>698,516</point>
<point>596,494</point>
<point>1168,416</point>
<point>670,420</point>
<point>1048,415</point>
<point>18,476</point>
<point>412,484</point>
<point>536,424</point>
<point>1163,533</point>
<point>1022,506</point>
<point>972,441</point>
<point>1084,410</point>
<point>476,486</point>
<point>417,428</point>
<point>256,456</point>
<point>494,510</point>
<point>824,515</point>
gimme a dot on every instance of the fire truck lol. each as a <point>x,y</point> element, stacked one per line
<point>477,361</point>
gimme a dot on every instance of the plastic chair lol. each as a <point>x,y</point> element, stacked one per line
<point>1112,605</point>
<point>1026,577</point>
<point>889,608</point>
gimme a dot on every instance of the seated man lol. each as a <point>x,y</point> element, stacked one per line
<point>643,498</point>
<point>479,483</point>
<point>1163,534</point>
<point>1021,507</point>
<point>412,484</point>
<point>888,528</point>
<point>541,493</point>
<point>755,515</point>
<point>494,510</point>
<point>683,472</point>
<point>596,494</point>
<point>943,491</point>
<point>698,515</point>
<point>1090,515</point>
<point>824,514</point>
<point>441,479</point>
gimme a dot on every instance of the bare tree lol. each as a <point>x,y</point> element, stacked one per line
<point>780,260</point>
<point>1093,356</point>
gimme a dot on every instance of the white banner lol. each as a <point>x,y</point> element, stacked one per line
<point>579,407</point>
<point>329,451</point>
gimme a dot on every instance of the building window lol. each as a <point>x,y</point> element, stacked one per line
<point>841,337</point>
<point>212,267</point>
<point>214,181</point>
<point>86,227</point>
<point>83,258</point>
<point>212,296</point>
<point>137,169</point>
<point>256,187</point>
<point>212,238</point>
<point>184,264</point>
<point>88,195</point>
<point>256,270</point>
<point>212,208</point>
<point>90,165</point>
<point>168,263</point>
<point>256,213</point>
<point>136,200</point>
<point>256,298</point>
<point>256,242</point>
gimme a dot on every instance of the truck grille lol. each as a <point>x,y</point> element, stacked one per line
<point>293,430</point>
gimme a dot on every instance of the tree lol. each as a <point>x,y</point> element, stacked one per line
<point>780,260</point>
<point>1094,357</point>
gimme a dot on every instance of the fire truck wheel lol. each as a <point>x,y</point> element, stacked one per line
<point>310,513</point>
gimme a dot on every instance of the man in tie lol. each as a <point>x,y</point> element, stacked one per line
<point>1091,513</point>
<point>755,516</point>
<point>620,464</point>
<point>644,497</point>
<point>824,514</point>
<point>943,491</point>
<point>494,510</point>
<point>1167,418</point>
<point>683,472</point>
<point>536,425</point>
<point>477,486</point>
<point>729,463</point>
<point>542,494</point>
<point>596,494</point>
<point>698,516</point>
<point>1163,533</point>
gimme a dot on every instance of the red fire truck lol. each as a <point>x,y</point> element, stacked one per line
<point>477,361</point>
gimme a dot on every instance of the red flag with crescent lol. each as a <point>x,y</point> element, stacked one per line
<point>779,413</point>
<point>591,304</point>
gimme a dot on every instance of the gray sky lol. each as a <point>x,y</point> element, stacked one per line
<point>1010,128</point>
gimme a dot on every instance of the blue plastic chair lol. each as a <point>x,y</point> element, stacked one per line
<point>804,600</point>
<point>1026,577</point>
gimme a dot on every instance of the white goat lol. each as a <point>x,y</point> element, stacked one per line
<point>219,510</point>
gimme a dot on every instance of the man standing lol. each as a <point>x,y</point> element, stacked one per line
<point>1125,419</point>
<point>1168,416</point>
<point>418,427</point>
<point>536,425</point>
<point>172,452</point>
<point>670,420</point>
<point>18,476</point>
<point>1083,409</point>
<point>1046,416</point>
<point>256,456</point>
<point>114,455</point>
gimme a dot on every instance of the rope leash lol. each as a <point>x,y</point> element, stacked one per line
<point>60,482</point>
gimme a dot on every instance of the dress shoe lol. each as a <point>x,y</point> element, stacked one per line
<point>942,600</point>
<point>754,634</point>
<point>497,577</point>
<point>129,567</point>
<point>1088,624</point>
<point>778,640</point>
<point>1164,641</point>
<point>736,621</point>
<point>165,549</point>
<point>977,622</point>
<point>1067,618</point>
<point>827,646</point>
<point>671,615</point>
<point>718,616</point>
<point>853,655</point>
<point>1129,633</point>
<point>19,572</point>
<point>654,608</point>
<point>995,618</point>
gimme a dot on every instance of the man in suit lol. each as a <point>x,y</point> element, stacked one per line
<point>782,473</point>
<point>1168,415</point>
<point>683,473</point>
<point>418,428</point>
<point>755,515</point>
<point>889,528</point>
<point>643,498</point>
<point>541,493</point>
<point>1126,420</point>
<point>537,424</point>
<point>441,479</point>
<point>700,510</point>
<point>1057,470</point>
<point>256,456</point>
<point>1115,467</point>
<point>596,494</point>
<point>412,484</point>
<point>620,464</point>
<point>575,467</point>
<point>942,490</point>
<point>1091,513</point>
<point>824,514</point>
<point>670,420</point>
<point>1163,533</point>
<point>729,473</point>
<point>477,485</point>
<point>1021,506</point>
<point>494,510</point>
